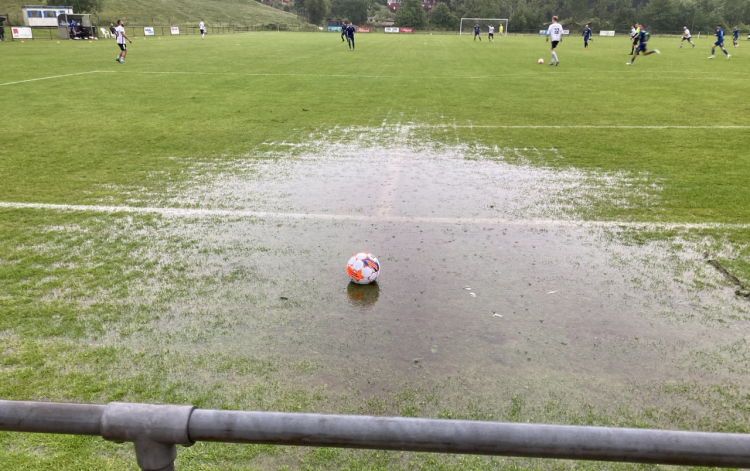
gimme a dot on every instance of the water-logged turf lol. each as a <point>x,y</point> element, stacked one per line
<point>508,291</point>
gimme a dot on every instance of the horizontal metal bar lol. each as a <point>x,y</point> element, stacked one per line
<point>467,437</point>
<point>385,433</point>
<point>50,417</point>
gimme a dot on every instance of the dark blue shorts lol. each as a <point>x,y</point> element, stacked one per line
<point>641,48</point>
<point>719,43</point>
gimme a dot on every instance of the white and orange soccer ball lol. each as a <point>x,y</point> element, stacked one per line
<point>540,61</point>
<point>363,268</point>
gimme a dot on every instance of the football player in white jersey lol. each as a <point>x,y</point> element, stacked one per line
<point>491,34</point>
<point>121,37</point>
<point>686,36</point>
<point>555,31</point>
<point>202,27</point>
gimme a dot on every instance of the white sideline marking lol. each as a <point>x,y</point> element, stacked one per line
<point>584,126</point>
<point>197,212</point>
<point>57,76</point>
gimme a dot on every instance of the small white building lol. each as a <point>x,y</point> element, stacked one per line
<point>43,15</point>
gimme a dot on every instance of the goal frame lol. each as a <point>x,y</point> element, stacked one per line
<point>499,20</point>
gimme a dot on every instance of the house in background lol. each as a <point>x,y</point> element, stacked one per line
<point>44,15</point>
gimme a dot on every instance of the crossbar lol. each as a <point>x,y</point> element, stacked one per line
<point>155,429</point>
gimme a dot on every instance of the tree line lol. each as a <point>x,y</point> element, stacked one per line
<point>530,15</point>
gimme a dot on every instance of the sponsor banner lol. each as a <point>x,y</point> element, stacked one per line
<point>148,30</point>
<point>175,30</point>
<point>21,33</point>
<point>389,29</point>
<point>406,30</point>
<point>334,29</point>
<point>566,32</point>
<point>363,30</point>
<point>542,32</point>
<point>606,33</point>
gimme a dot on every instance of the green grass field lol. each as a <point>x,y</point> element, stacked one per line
<point>175,229</point>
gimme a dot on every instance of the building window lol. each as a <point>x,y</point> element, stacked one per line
<point>49,14</point>
<point>35,14</point>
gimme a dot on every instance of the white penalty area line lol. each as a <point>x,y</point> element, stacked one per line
<point>403,77</point>
<point>259,74</point>
<point>229,213</point>
<point>57,76</point>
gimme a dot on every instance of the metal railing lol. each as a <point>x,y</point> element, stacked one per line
<point>155,430</point>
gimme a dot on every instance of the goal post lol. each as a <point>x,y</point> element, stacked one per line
<point>483,23</point>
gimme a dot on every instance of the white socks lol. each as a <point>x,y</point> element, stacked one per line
<point>554,57</point>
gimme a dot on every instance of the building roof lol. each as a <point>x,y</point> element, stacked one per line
<point>43,6</point>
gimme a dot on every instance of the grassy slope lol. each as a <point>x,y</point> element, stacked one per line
<point>128,126</point>
<point>161,12</point>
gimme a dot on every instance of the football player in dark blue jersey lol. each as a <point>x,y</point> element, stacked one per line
<point>476,32</point>
<point>587,36</point>
<point>642,40</point>
<point>719,42</point>
<point>735,36</point>
<point>350,36</point>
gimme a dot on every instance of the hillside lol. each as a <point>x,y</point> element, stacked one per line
<point>162,12</point>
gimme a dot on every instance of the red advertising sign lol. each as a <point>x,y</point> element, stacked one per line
<point>406,30</point>
<point>363,30</point>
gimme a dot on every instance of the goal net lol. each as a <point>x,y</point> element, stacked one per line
<point>467,24</point>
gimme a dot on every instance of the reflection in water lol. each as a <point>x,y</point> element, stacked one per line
<point>363,295</point>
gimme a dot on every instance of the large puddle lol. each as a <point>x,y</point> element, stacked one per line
<point>462,294</point>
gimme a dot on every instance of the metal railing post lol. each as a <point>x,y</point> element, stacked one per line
<point>153,429</point>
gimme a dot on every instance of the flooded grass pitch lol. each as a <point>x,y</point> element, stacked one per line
<point>495,301</point>
<point>518,301</point>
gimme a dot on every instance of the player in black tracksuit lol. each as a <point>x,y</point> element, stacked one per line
<point>343,31</point>
<point>350,36</point>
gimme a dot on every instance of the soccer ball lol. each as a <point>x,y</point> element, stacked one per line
<point>540,61</point>
<point>363,268</point>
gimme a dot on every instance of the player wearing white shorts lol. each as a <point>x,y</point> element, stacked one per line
<point>555,32</point>
<point>491,34</point>
<point>202,27</point>
<point>686,36</point>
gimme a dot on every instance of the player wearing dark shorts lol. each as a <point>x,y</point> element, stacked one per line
<point>587,36</point>
<point>476,32</point>
<point>735,37</point>
<point>343,31</point>
<point>634,38</point>
<point>121,37</point>
<point>642,39</point>
<point>350,36</point>
<point>719,42</point>
<point>686,36</point>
